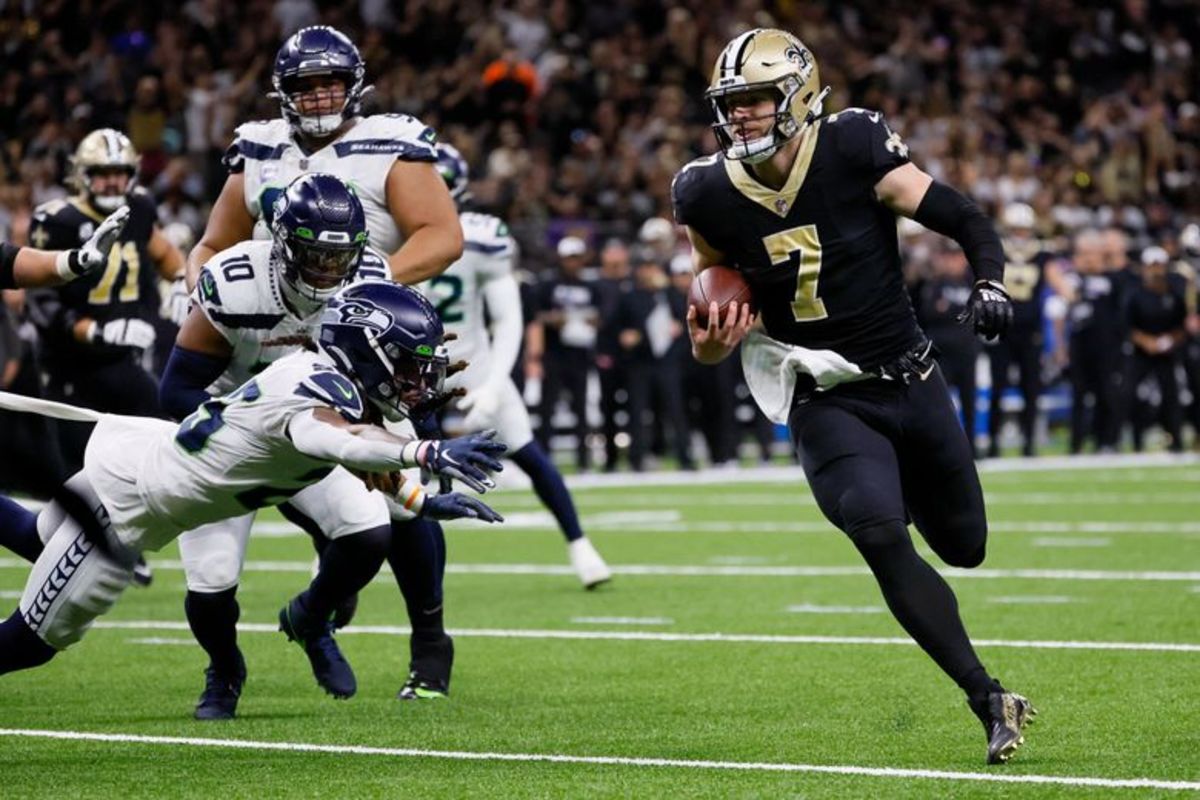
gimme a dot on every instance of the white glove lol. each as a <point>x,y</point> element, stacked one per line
<point>124,333</point>
<point>480,406</point>
<point>93,255</point>
<point>176,302</point>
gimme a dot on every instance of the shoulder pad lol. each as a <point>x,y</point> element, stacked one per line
<point>232,286</point>
<point>257,141</point>
<point>399,135</point>
<point>486,234</point>
<point>334,389</point>
<point>49,208</point>
<point>374,266</point>
<point>684,186</point>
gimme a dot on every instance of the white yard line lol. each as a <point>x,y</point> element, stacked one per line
<point>813,608</point>
<point>620,761</point>
<point>648,636</point>
<point>713,570</point>
<point>1033,600</point>
<point>623,620</point>
<point>1062,541</point>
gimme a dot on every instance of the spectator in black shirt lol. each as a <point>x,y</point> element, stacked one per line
<point>652,337</point>
<point>1156,314</point>
<point>614,282</point>
<point>569,313</point>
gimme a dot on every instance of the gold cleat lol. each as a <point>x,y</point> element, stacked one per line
<point>1007,715</point>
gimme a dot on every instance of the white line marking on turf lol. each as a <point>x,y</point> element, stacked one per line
<point>620,761</point>
<point>812,608</point>
<point>1033,599</point>
<point>10,594</point>
<point>647,636</point>
<point>162,640</point>
<point>1059,541</point>
<point>623,620</point>
<point>693,570</point>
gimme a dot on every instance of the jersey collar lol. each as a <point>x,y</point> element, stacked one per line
<point>779,203</point>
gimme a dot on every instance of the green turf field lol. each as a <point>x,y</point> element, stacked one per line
<point>741,651</point>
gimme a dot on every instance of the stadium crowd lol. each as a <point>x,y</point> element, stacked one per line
<point>1074,124</point>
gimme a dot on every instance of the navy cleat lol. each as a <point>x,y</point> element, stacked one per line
<point>429,670</point>
<point>1004,716</point>
<point>329,666</point>
<point>221,692</point>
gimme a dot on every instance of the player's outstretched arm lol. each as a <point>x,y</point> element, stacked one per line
<point>30,268</point>
<point>324,434</point>
<point>420,204</point>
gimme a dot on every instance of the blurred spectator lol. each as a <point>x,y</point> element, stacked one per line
<point>1156,315</point>
<point>652,336</point>
<point>614,282</point>
<point>569,314</point>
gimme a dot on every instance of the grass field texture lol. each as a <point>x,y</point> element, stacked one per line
<point>742,650</point>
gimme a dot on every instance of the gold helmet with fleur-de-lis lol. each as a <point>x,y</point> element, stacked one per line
<point>765,59</point>
<point>104,150</point>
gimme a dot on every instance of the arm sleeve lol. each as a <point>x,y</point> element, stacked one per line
<point>8,263</point>
<point>951,213</point>
<point>186,379</point>
<point>503,298</point>
<point>326,442</point>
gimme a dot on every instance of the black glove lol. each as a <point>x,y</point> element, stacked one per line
<point>990,309</point>
<point>457,506</point>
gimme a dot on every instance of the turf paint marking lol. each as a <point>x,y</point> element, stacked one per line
<point>812,608</point>
<point>1033,600</point>
<point>623,620</point>
<point>655,636</point>
<point>1065,541</point>
<point>619,761</point>
<point>710,571</point>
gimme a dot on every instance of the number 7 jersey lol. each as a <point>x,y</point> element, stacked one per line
<point>821,254</point>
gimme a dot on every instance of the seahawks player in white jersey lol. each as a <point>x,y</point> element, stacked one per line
<point>254,303</point>
<point>145,480</point>
<point>483,279</point>
<point>387,159</point>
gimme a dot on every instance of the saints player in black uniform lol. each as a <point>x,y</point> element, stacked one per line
<point>1029,268</point>
<point>95,331</point>
<point>805,207</point>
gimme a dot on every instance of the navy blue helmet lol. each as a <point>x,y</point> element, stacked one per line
<point>320,231</point>
<point>453,169</point>
<point>388,339</point>
<point>318,50</point>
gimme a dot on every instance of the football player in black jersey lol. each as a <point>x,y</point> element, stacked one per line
<point>1029,268</point>
<point>31,268</point>
<point>95,330</point>
<point>805,206</point>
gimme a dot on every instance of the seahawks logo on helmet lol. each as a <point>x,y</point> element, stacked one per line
<point>364,315</point>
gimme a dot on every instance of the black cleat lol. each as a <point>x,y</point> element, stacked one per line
<point>1004,716</point>
<point>329,666</point>
<point>429,670</point>
<point>143,576</point>
<point>221,692</point>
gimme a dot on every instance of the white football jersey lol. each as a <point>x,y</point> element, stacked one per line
<point>240,292</point>
<point>232,455</point>
<point>361,157</point>
<point>457,294</point>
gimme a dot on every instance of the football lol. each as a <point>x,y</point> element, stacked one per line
<point>720,285</point>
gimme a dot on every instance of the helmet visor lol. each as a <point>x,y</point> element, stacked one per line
<point>321,265</point>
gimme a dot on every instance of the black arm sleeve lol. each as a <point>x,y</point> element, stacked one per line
<point>950,213</point>
<point>8,264</point>
<point>185,380</point>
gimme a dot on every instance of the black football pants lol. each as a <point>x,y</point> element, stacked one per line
<point>877,454</point>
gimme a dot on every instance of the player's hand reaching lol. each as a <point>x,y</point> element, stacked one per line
<point>713,342</point>
<point>94,253</point>
<point>470,459</point>
<point>458,506</point>
<point>990,309</point>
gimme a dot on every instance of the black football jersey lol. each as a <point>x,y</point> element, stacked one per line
<point>8,263</point>
<point>127,287</point>
<point>821,255</point>
<point>1157,313</point>
<point>1025,279</point>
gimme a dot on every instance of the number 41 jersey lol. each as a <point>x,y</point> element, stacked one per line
<point>821,254</point>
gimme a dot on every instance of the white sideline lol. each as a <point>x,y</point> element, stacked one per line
<point>717,570</point>
<point>622,761</point>
<point>650,636</point>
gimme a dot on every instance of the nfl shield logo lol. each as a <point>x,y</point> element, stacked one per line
<point>781,206</point>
